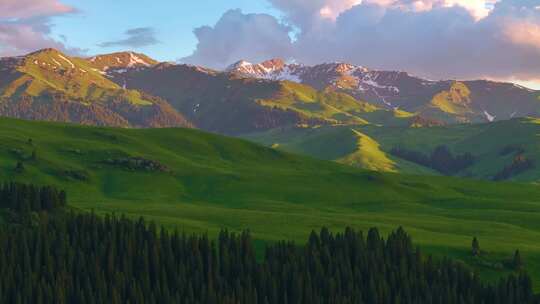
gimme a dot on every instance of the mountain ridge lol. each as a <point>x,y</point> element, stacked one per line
<point>249,97</point>
<point>398,89</point>
<point>49,85</point>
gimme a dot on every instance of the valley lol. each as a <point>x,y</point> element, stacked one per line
<point>486,142</point>
<point>199,182</point>
<point>270,152</point>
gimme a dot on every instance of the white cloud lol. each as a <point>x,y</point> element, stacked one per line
<point>431,38</point>
<point>235,36</point>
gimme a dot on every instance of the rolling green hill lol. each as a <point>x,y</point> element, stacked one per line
<point>49,85</point>
<point>487,142</point>
<point>196,181</point>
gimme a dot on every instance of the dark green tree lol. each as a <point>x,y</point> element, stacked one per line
<point>34,155</point>
<point>83,258</point>
<point>475,247</point>
<point>19,167</point>
<point>517,261</point>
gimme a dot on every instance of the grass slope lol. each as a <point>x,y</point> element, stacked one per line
<point>485,141</point>
<point>50,70</point>
<point>216,182</point>
<point>342,144</point>
<point>369,155</point>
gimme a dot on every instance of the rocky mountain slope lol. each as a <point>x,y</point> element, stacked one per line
<point>118,89</point>
<point>49,85</point>
<point>120,61</point>
<point>225,103</point>
<point>446,101</point>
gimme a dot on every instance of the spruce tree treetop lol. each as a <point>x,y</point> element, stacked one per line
<point>475,247</point>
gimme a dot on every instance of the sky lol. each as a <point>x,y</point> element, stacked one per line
<point>436,39</point>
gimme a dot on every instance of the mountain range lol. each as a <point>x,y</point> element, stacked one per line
<point>357,115</point>
<point>449,101</point>
<point>133,90</point>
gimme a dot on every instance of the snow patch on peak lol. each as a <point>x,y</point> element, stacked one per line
<point>56,62</point>
<point>523,87</point>
<point>238,65</point>
<point>370,79</point>
<point>136,60</point>
<point>67,60</point>
<point>489,117</point>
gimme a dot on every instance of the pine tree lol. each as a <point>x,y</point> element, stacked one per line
<point>83,258</point>
<point>34,155</point>
<point>475,247</point>
<point>517,262</point>
<point>19,168</point>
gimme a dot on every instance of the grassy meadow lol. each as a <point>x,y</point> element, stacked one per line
<point>212,182</point>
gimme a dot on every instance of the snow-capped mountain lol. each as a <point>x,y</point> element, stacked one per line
<point>121,60</point>
<point>489,100</point>
<point>361,81</point>
<point>274,69</point>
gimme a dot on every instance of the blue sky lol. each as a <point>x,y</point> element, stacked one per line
<point>97,21</point>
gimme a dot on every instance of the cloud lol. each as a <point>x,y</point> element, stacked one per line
<point>523,32</point>
<point>136,38</point>
<point>439,39</point>
<point>22,9</point>
<point>25,25</point>
<point>444,41</point>
<point>253,37</point>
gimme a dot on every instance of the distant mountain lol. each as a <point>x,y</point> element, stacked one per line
<point>446,101</point>
<point>121,60</point>
<point>133,90</point>
<point>224,103</point>
<point>49,85</point>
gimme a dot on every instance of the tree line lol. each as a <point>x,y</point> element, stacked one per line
<point>441,159</point>
<point>520,164</point>
<point>83,258</point>
<point>26,198</point>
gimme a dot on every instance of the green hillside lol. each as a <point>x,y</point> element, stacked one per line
<point>201,182</point>
<point>228,104</point>
<point>50,70</point>
<point>332,107</point>
<point>487,142</point>
<point>49,85</point>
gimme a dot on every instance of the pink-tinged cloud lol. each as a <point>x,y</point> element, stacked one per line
<point>497,39</point>
<point>22,9</point>
<point>19,39</point>
<point>479,9</point>
<point>522,32</point>
<point>25,26</point>
<point>332,9</point>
